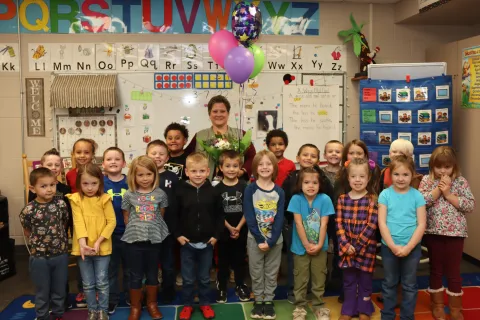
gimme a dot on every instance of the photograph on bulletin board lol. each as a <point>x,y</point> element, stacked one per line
<point>101,129</point>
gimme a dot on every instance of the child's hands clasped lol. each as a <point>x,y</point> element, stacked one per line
<point>84,249</point>
<point>444,185</point>
<point>313,249</point>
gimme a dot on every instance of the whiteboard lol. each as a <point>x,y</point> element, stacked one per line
<point>310,116</point>
<point>399,71</point>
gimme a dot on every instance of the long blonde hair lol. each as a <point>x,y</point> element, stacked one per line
<point>147,163</point>
<point>256,161</point>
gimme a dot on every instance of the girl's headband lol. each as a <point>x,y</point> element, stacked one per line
<point>371,164</point>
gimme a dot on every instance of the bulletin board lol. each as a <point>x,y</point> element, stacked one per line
<point>419,111</point>
<point>102,129</point>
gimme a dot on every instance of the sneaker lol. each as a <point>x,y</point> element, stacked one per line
<point>269,311</point>
<point>213,275</point>
<point>257,311</point>
<point>322,314</point>
<point>299,314</point>
<point>243,293</point>
<point>221,296</point>
<point>291,297</point>
<point>80,300</point>
<point>207,312</point>
<point>179,280</point>
<point>232,277</point>
<point>186,313</point>
<point>111,308</point>
<point>92,315</point>
<point>102,315</point>
<point>159,276</point>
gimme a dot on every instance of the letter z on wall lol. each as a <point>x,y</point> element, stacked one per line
<point>35,105</point>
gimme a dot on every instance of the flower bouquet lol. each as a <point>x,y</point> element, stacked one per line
<point>219,143</point>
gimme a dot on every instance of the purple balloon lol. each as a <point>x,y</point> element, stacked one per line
<point>239,64</point>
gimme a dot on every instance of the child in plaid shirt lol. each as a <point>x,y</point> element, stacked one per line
<point>357,219</point>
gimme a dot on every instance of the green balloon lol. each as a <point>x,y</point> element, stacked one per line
<point>259,60</point>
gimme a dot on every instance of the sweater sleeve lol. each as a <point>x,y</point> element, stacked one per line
<point>109,216</point>
<point>426,187</point>
<point>278,222</point>
<point>77,213</point>
<point>192,145</point>
<point>342,238</point>
<point>249,213</point>
<point>466,200</point>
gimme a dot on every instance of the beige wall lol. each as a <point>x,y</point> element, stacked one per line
<point>398,43</point>
<point>465,130</point>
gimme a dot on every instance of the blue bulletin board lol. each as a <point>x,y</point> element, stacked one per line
<point>419,111</point>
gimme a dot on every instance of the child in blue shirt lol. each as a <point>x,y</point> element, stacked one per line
<point>115,185</point>
<point>263,208</point>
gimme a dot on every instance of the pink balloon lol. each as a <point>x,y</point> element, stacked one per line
<point>220,44</point>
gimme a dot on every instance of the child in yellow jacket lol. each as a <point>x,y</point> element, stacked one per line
<point>93,224</point>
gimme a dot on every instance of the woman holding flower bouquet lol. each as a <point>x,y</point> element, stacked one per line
<point>219,137</point>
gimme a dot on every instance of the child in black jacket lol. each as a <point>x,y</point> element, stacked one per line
<point>199,225</point>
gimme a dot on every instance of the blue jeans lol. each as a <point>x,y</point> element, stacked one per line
<point>199,260</point>
<point>166,259</point>
<point>143,258</point>
<point>403,270</point>
<point>50,277</point>
<point>118,257</point>
<point>94,271</point>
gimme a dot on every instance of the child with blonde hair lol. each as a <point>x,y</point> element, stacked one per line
<point>143,208</point>
<point>93,224</point>
<point>449,199</point>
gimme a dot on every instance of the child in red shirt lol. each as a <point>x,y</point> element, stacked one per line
<point>277,142</point>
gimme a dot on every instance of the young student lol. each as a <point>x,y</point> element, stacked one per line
<point>200,223</point>
<point>93,224</point>
<point>143,208</point>
<point>157,150</point>
<point>399,147</point>
<point>448,198</point>
<point>311,209</point>
<point>115,185</point>
<point>263,207</point>
<point>333,154</point>
<point>277,142</point>
<point>307,157</point>
<point>402,221</point>
<point>232,244</point>
<point>44,221</point>
<point>357,218</point>
<point>176,137</point>
<point>83,153</point>
<point>356,149</point>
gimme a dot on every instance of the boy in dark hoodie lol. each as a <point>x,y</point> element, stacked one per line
<point>308,156</point>
<point>200,223</point>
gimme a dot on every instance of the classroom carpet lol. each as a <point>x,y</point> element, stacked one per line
<point>22,308</point>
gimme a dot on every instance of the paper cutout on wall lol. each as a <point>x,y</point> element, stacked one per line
<point>137,95</point>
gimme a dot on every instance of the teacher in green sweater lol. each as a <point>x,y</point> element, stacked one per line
<point>219,111</point>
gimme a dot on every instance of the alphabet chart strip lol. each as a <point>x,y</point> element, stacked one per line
<point>165,57</point>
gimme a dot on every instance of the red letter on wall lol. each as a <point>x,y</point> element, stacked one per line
<point>93,14</point>
<point>147,16</point>
<point>11,10</point>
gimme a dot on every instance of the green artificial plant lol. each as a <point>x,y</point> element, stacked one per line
<point>354,34</point>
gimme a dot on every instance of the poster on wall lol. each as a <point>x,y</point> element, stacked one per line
<point>471,78</point>
<point>9,57</point>
<point>174,57</point>
<point>412,111</point>
<point>35,104</point>
<point>158,17</point>
<point>101,129</point>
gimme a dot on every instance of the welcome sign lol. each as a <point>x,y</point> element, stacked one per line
<point>151,16</point>
<point>35,107</point>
